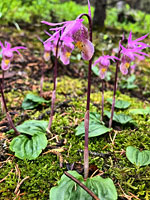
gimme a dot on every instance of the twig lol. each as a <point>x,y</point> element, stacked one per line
<point>69,149</point>
<point>113,141</point>
<point>94,173</point>
<point>124,194</point>
<point>6,176</point>
<point>19,184</point>
<point>134,196</point>
<point>82,185</point>
<point>58,153</point>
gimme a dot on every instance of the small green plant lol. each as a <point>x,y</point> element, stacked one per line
<point>68,189</point>
<point>140,111</point>
<point>31,101</point>
<point>128,83</point>
<point>119,118</point>
<point>96,127</point>
<point>139,158</point>
<point>120,104</point>
<point>32,140</point>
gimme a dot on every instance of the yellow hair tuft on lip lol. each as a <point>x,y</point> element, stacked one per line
<point>7,62</point>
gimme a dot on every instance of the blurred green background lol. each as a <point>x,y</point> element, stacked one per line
<point>19,12</point>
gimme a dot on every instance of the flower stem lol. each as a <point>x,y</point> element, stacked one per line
<point>86,119</point>
<point>2,103</point>
<point>41,81</point>
<point>102,115</point>
<point>54,88</point>
<point>115,87</point>
<point>5,106</point>
<point>82,185</point>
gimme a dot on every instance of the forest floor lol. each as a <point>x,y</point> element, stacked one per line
<point>24,179</point>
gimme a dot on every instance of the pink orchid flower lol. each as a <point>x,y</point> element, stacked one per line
<point>135,43</point>
<point>7,54</point>
<point>129,55</point>
<point>65,52</point>
<point>73,31</point>
<point>47,50</point>
<point>104,63</point>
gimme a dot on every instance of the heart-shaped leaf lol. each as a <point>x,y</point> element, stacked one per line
<point>69,190</point>
<point>120,118</point>
<point>140,158</point>
<point>141,111</point>
<point>95,127</point>
<point>103,188</point>
<point>30,143</point>
<point>32,101</point>
<point>120,104</point>
<point>31,127</point>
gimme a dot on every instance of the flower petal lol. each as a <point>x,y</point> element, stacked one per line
<point>141,38</point>
<point>54,24</point>
<point>89,9</point>
<point>65,53</point>
<point>130,37</point>
<point>87,50</point>
<point>123,69</point>
<point>102,72</point>
<point>46,55</point>
<point>4,66</point>
<point>72,27</point>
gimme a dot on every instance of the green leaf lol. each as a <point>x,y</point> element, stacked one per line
<point>69,190</point>
<point>31,127</point>
<point>140,158</point>
<point>120,118</point>
<point>95,70</point>
<point>128,83</point>
<point>30,143</point>
<point>95,116</point>
<point>120,104</point>
<point>32,101</point>
<point>140,111</point>
<point>95,127</point>
<point>103,188</point>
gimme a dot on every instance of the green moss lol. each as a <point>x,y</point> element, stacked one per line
<point>44,172</point>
